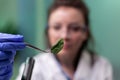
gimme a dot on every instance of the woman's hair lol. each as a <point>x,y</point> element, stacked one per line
<point>79,5</point>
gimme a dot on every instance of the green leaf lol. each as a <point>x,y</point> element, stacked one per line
<point>57,47</point>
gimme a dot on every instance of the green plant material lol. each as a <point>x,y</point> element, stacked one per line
<point>10,27</point>
<point>57,47</point>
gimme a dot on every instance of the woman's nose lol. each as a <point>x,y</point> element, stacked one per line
<point>65,34</point>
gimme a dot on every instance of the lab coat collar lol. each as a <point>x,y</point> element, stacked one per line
<point>82,71</point>
<point>84,67</point>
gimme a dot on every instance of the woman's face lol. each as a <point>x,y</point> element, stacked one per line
<point>69,24</point>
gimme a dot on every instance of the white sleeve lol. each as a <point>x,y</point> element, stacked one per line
<point>20,72</point>
<point>109,72</point>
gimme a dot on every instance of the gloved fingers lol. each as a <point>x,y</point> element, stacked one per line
<point>11,38</point>
<point>7,55</point>
<point>6,73</point>
<point>6,76</point>
<point>6,62</point>
<point>5,69</point>
<point>9,46</point>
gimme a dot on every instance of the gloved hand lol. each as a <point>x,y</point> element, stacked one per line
<point>9,44</point>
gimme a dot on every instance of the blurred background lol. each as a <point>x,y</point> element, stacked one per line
<point>28,18</point>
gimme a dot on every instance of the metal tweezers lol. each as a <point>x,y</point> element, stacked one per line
<point>36,48</point>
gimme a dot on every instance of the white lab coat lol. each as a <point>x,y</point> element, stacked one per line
<point>48,68</point>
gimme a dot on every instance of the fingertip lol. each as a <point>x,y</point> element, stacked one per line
<point>7,55</point>
<point>4,37</point>
<point>9,46</point>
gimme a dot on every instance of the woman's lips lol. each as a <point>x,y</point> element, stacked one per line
<point>66,46</point>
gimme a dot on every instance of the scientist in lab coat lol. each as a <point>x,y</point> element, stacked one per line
<point>69,20</point>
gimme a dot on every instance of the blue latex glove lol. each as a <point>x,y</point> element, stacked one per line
<point>9,44</point>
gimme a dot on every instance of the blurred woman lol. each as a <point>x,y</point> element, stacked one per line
<point>69,20</point>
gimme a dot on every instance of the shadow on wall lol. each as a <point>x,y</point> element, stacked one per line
<point>116,72</point>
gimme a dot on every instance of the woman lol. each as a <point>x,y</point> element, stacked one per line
<point>69,20</point>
